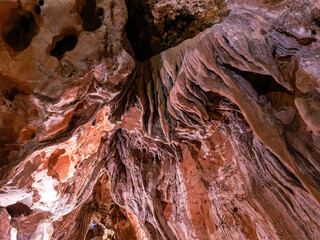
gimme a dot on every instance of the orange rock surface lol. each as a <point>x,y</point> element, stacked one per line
<point>178,119</point>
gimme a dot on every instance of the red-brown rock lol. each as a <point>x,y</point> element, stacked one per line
<point>160,119</point>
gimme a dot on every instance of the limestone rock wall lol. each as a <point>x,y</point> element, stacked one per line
<point>159,119</point>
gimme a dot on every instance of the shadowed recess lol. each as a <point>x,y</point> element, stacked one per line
<point>141,30</point>
<point>10,95</point>
<point>18,209</point>
<point>263,84</point>
<point>149,36</point>
<point>66,44</point>
<point>19,30</point>
<point>91,16</point>
<point>95,231</point>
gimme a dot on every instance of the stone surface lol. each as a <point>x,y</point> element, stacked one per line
<point>159,119</point>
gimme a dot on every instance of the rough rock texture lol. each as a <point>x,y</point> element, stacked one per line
<point>156,25</point>
<point>108,133</point>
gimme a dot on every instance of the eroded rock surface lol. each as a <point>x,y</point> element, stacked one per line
<point>159,119</point>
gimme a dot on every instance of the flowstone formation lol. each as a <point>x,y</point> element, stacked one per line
<point>179,119</point>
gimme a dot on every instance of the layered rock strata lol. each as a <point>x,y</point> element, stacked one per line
<point>205,131</point>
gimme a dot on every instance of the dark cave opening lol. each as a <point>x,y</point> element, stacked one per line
<point>18,209</point>
<point>10,95</point>
<point>141,31</point>
<point>263,84</point>
<point>19,30</point>
<point>95,231</point>
<point>149,36</point>
<point>91,16</point>
<point>66,44</point>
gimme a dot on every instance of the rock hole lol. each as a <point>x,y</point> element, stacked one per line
<point>68,43</point>
<point>141,30</point>
<point>95,231</point>
<point>25,24</point>
<point>10,95</point>
<point>41,2</point>
<point>92,16</point>
<point>19,30</point>
<point>263,84</point>
<point>18,209</point>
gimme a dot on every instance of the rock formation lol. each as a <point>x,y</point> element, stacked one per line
<point>179,119</point>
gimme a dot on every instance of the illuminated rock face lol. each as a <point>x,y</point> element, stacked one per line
<point>108,133</point>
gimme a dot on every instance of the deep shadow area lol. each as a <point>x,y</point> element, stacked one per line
<point>263,84</point>
<point>141,31</point>
<point>95,231</point>
<point>149,37</point>
<point>66,44</point>
<point>10,95</point>
<point>19,30</point>
<point>18,209</point>
<point>91,16</point>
